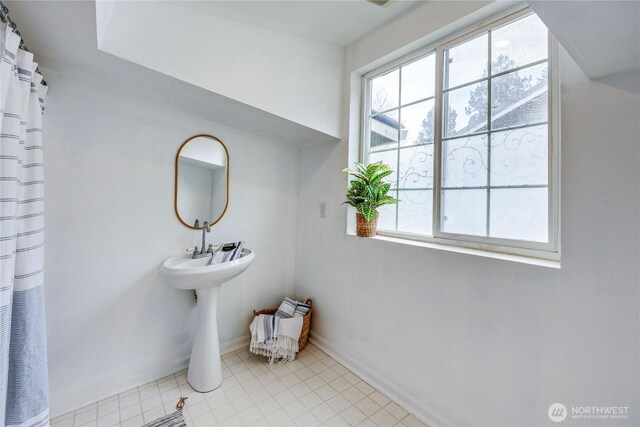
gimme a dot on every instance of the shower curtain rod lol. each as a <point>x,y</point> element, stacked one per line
<point>4,16</point>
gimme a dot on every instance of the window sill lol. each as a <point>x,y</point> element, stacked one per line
<point>467,251</point>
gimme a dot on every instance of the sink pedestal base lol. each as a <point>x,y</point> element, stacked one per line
<point>205,367</point>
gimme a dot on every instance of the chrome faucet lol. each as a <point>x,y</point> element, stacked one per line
<point>205,229</point>
<point>200,252</point>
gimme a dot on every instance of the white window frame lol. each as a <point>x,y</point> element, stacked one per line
<point>546,250</point>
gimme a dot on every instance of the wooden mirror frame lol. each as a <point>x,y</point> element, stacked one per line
<point>175,192</point>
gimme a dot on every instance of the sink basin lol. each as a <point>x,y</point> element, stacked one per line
<point>182,272</point>
<point>186,273</point>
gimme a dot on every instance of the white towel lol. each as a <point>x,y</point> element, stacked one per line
<point>275,338</point>
<point>290,328</point>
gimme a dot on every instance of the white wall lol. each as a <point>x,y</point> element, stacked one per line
<point>112,322</point>
<point>273,71</point>
<point>481,341</point>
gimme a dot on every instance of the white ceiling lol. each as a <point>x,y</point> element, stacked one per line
<point>336,22</point>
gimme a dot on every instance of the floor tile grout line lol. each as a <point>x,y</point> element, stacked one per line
<point>247,383</point>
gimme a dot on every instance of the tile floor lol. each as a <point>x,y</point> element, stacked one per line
<point>310,391</point>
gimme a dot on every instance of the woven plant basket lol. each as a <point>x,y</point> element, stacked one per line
<point>366,228</point>
<point>306,322</point>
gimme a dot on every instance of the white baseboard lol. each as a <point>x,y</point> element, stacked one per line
<point>102,391</point>
<point>235,344</point>
<point>97,392</point>
<point>389,388</point>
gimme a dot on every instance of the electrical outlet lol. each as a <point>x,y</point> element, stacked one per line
<point>323,209</point>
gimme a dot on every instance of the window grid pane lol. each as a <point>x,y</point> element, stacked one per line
<point>401,134</point>
<point>383,131</point>
<point>503,101</point>
<point>415,169</point>
<point>516,97</point>
<point>415,213</point>
<point>387,215</point>
<point>418,80</point>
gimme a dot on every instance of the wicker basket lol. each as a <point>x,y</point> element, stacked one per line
<point>306,322</point>
<point>366,228</point>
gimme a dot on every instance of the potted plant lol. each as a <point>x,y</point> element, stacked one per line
<point>367,193</point>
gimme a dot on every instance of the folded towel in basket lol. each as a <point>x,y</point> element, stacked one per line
<point>275,338</point>
<point>302,309</point>
<point>287,308</point>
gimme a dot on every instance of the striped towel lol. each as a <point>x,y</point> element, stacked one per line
<point>275,337</point>
<point>287,308</point>
<point>268,328</point>
<point>221,256</point>
<point>302,309</point>
<point>172,420</point>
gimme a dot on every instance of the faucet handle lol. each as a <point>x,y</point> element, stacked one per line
<point>210,249</point>
<point>195,252</point>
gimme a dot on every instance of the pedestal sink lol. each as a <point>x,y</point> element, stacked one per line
<point>205,367</point>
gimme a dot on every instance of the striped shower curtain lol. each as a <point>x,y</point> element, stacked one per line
<point>23,357</point>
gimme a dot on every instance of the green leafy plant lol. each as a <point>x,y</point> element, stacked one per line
<point>368,191</point>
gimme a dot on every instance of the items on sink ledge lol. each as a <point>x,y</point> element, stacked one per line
<point>278,334</point>
<point>226,252</point>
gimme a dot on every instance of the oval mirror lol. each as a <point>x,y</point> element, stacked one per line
<point>202,181</point>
